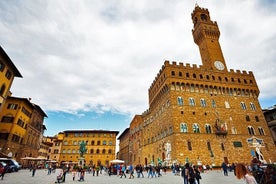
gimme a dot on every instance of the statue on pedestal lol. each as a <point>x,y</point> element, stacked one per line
<point>82,148</point>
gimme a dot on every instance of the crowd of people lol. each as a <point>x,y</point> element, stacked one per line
<point>252,173</point>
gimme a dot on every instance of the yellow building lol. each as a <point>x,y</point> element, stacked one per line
<point>7,73</point>
<point>203,114</point>
<point>100,145</point>
<point>55,149</point>
<point>21,127</point>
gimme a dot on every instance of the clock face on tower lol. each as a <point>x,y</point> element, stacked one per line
<point>219,65</point>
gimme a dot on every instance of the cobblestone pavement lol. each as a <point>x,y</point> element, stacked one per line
<point>41,177</point>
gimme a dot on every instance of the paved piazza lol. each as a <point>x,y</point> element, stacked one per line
<point>41,177</point>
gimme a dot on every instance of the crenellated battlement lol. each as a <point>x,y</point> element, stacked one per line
<point>194,68</point>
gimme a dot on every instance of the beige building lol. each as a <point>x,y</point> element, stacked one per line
<point>203,114</point>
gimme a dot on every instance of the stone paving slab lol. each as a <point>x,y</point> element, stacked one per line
<point>41,177</point>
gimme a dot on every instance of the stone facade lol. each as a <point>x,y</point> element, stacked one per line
<point>202,114</point>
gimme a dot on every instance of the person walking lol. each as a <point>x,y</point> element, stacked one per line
<point>197,174</point>
<point>131,171</point>
<point>2,171</point>
<point>242,173</point>
<point>123,171</point>
<point>150,171</point>
<point>34,170</point>
<point>224,168</point>
<point>82,172</point>
<point>185,172</point>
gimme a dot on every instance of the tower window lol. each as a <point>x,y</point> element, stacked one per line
<point>180,74</point>
<point>252,106</point>
<point>251,130</point>
<point>173,73</point>
<point>207,77</point>
<point>257,118</point>
<point>261,131</point>
<point>203,17</point>
<point>243,106</point>
<point>247,118</point>
<point>187,75</point>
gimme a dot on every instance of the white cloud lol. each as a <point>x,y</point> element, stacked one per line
<point>104,55</point>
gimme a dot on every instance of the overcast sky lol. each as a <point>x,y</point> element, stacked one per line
<point>93,61</point>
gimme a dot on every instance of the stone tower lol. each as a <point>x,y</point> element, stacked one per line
<point>203,114</point>
<point>206,36</point>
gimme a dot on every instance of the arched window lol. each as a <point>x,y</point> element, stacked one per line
<point>97,151</point>
<point>109,151</point>
<point>191,102</point>
<point>252,106</point>
<point>208,129</point>
<point>203,17</point>
<point>214,105</point>
<point>261,131</point>
<point>104,142</point>
<point>92,151</point>
<point>173,73</point>
<point>202,102</point>
<point>196,128</point>
<point>251,130</point>
<point>243,106</point>
<point>92,143</point>
<point>234,130</point>
<point>180,100</point>
<point>98,142</point>
<point>103,151</point>
<point>183,127</point>
<point>227,105</point>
